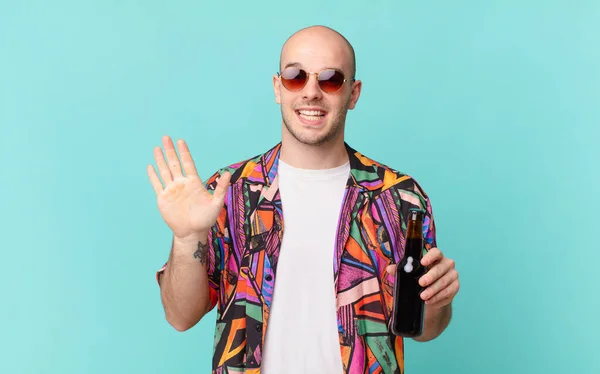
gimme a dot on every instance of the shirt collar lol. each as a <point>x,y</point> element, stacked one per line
<point>365,174</point>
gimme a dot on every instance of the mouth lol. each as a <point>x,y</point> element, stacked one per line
<point>311,116</point>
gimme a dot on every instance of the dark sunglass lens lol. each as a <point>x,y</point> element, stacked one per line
<point>331,80</point>
<point>293,78</point>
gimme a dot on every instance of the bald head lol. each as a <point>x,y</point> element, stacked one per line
<point>320,42</point>
<point>314,109</point>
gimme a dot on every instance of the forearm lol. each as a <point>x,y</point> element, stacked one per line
<point>184,283</point>
<point>435,322</point>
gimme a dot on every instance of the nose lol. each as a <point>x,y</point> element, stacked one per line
<point>311,90</point>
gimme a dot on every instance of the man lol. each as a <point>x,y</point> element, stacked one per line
<point>296,247</point>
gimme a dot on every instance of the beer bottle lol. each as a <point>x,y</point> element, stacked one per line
<point>408,307</point>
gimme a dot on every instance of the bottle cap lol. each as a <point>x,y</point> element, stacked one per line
<point>416,214</point>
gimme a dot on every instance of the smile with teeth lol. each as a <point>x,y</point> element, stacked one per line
<point>311,115</point>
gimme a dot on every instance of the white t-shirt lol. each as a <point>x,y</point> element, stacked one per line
<point>302,332</point>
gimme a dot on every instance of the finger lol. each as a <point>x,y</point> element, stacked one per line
<point>439,285</point>
<point>221,189</point>
<point>446,295</point>
<point>186,159</point>
<point>432,256</point>
<point>172,159</point>
<point>163,169</point>
<point>436,272</point>
<point>156,183</point>
<point>391,269</point>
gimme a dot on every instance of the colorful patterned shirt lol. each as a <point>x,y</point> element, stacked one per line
<point>244,247</point>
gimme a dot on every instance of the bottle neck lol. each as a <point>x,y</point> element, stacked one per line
<point>415,230</point>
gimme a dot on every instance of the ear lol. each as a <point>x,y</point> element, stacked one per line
<point>277,88</point>
<point>356,88</point>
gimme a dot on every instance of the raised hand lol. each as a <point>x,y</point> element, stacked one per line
<point>187,207</point>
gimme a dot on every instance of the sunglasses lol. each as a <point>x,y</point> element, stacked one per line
<point>294,79</point>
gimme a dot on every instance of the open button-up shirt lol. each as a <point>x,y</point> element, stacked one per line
<point>244,247</point>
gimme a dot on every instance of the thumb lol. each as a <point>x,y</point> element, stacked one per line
<point>391,269</point>
<point>221,189</point>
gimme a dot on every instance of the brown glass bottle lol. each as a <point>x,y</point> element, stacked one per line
<point>408,307</point>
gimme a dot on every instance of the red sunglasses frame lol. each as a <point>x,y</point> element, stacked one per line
<point>317,74</point>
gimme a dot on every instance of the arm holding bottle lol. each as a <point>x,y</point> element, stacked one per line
<point>190,210</point>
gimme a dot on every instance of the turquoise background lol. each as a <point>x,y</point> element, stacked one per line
<point>493,106</point>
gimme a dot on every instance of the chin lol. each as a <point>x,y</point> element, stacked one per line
<point>310,136</point>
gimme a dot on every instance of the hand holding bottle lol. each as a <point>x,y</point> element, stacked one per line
<point>440,282</point>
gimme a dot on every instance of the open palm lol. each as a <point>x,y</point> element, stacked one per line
<point>186,206</point>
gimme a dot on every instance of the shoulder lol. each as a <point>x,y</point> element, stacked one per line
<point>248,170</point>
<point>383,180</point>
<point>398,191</point>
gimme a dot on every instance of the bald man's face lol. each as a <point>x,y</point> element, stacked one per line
<point>311,115</point>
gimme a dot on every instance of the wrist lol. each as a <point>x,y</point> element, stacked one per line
<point>191,240</point>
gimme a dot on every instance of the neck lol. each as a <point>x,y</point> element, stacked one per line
<point>323,156</point>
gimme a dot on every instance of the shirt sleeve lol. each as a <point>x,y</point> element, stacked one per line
<point>216,239</point>
<point>429,229</point>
